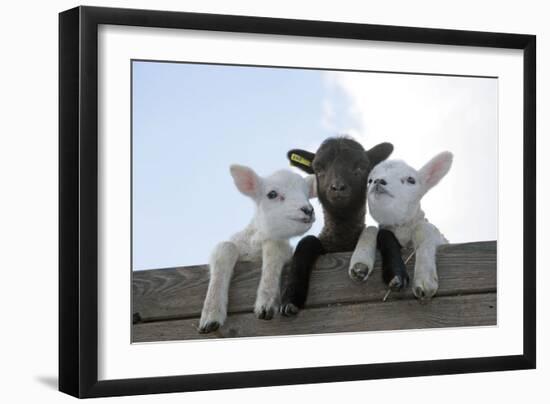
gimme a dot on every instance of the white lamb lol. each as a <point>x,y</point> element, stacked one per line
<point>282,211</point>
<point>394,193</point>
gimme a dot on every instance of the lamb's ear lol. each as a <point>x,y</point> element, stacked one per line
<point>435,169</point>
<point>379,153</point>
<point>301,159</point>
<point>246,180</point>
<point>312,186</point>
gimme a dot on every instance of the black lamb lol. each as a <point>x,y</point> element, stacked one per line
<point>341,167</point>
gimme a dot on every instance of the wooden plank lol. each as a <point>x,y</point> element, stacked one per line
<point>179,292</point>
<point>449,311</point>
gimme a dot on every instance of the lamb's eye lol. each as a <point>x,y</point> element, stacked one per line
<point>272,194</point>
<point>411,180</point>
<point>370,181</point>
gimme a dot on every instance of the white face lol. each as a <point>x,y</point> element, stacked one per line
<point>282,198</point>
<point>394,188</point>
<point>393,192</point>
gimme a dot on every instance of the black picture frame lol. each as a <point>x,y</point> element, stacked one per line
<point>78,200</point>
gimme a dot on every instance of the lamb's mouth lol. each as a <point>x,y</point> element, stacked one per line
<point>380,190</point>
<point>338,199</point>
<point>306,220</point>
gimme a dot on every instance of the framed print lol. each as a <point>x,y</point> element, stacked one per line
<point>250,201</point>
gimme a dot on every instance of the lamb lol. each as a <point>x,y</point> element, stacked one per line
<point>282,211</point>
<point>341,167</point>
<point>394,193</point>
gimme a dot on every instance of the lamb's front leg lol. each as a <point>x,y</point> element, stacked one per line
<point>222,262</point>
<point>425,281</point>
<point>426,238</point>
<point>294,298</point>
<point>394,271</point>
<point>364,255</point>
<point>275,253</point>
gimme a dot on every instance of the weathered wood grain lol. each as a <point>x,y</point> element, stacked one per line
<point>178,293</point>
<point>449,311</point>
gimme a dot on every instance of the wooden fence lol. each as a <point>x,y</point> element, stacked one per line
<point>167,302</point>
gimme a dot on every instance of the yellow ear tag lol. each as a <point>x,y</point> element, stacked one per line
<point>299,159</point>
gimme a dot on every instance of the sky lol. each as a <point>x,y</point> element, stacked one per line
<point>192,121</point>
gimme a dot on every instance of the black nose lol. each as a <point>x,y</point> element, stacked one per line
<point>308,210</point>
<point>338,186</point>
<point>380,181</point>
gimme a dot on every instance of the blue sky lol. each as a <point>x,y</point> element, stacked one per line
<point>191,121</point>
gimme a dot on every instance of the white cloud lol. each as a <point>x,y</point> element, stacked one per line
<point>423,115</point>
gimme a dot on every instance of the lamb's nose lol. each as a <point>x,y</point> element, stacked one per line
<point>380,181</point>
<point>308,210</point>
<point>338,186</point>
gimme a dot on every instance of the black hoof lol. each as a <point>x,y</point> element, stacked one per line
<point>266,313</point>
<point>395,275</point>
<point>209,327</point>
<point>359,272</point>
<point>289,310</point>
<point>421,295</point>
<point>419,292</point>
<point>399,282</point>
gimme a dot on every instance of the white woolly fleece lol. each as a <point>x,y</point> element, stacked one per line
<point>394,192</point>
<point>282,200</point>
